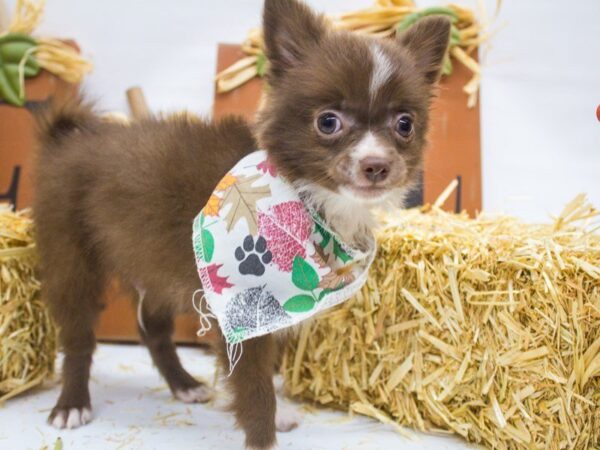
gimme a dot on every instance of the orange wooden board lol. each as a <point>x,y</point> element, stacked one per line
<point>17,136</point>
<point>118,322</point>
<point>17,128</point>
<point>454,144</point>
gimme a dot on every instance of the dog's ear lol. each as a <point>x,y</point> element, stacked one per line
<point>290,29</point>
<point>428,40</point>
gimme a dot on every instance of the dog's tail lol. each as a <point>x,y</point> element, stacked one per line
<point>62,115</point>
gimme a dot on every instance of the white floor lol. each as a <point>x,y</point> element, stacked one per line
<point>134,410</point>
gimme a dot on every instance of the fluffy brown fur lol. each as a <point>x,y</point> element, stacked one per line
<point>117,201</point>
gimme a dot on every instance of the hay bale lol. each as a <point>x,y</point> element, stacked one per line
<point>27,335</point>
<point>488,328</point>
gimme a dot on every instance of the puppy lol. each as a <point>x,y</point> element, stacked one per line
<point>345,121</point>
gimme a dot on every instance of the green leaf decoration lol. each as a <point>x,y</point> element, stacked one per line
<point>454,36</point>
<point>411,19</point>
<point>13,48</point>
<point>261,64</point>
<point>299,303</point>
<point>339,252</point>
<point>208,244</point>
<point>324,233</point>
<point>303,275</point>
<point>447,68</point>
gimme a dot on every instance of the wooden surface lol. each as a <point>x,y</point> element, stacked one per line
<point>17,147</point>
<point>17,135</point>
<point>455,144</point>
<point>17,128</point>
<point>242,101</point>
<point>118,322</point>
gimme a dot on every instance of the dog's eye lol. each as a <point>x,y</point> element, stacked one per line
<point>328,123</point>
<point>404,125</point>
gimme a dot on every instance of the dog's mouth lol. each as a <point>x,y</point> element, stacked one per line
<point>370,193</point>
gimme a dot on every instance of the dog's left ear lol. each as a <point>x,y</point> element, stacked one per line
<point>290,29</point>
<point>428,40</point>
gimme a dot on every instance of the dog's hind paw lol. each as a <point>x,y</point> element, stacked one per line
<point>70,418</point>
<point>197,394</point>
<point>287,417</point>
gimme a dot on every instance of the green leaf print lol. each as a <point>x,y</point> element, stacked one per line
<point>236,335</point>
<point>324,233</point>
<point>208,244</point>
<point>207,240</point>
<point>303,275</point>
<point>299,303</point>
<point>339,252</point>
<point>324,292</point>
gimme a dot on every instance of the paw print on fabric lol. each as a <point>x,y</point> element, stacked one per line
<point>253,256</point>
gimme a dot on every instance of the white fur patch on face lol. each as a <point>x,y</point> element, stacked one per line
<point>382,69</point>
<point>368,146</point>
<point>347,214</point>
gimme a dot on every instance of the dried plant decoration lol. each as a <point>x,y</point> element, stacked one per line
<point>27,335</point>
<point>384,19</point>
<point>27,54</point>
<point>488,328</point>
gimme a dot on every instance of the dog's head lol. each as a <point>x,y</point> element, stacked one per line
<point>344,113</point>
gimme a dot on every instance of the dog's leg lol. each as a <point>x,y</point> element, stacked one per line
<point>156,333</point>
<point>253,391</point>
<point>73,290</point>
<point>287,416</point>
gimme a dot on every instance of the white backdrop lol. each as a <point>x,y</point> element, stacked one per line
<point>541,140</point>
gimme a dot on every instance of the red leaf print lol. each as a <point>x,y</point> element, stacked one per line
<point>218,282</point>
<point>266,166</point>
<point>286,228</point>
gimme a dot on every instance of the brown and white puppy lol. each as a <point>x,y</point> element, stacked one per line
<point>345,121</point>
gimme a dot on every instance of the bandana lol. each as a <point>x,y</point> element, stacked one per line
<point>266,259</point>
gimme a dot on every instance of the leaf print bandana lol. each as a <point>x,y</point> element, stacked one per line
<point>266,259</point>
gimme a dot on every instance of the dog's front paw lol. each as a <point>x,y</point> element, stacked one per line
<point>197,394</point>
<point>287,418</point>
<point>64,417</point>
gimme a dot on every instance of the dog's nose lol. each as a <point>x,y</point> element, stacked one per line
<point>375,169</point>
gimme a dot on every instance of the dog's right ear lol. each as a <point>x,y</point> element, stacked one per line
<point>428,41</point>
<point>290,30</point>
